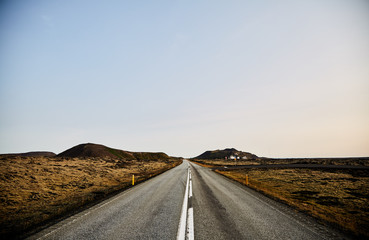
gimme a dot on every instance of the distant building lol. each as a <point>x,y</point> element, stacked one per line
<point>232,157</point>
<point>244,158</point>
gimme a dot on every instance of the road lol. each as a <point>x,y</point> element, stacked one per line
<point>188,200</point>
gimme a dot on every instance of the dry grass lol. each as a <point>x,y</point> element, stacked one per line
<point>264,161</point>
<point>340,197</point>
<point>223,162</point>
<point>37,189</point>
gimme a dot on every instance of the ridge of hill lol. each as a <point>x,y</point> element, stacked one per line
<point>30,154</point>
<point>97,150</point>
<point>227,153</point>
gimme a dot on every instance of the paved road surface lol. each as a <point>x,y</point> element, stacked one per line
<point>222,209</point>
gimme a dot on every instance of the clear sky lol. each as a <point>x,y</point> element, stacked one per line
<point>275,78</point>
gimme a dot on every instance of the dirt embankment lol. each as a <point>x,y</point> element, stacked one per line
<point>35,190</point>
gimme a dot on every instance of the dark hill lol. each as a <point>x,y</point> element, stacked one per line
<point>228,152</point>
<point>31,154</point>
<point>96,150</point>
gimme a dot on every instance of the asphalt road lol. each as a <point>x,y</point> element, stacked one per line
<point>216,208</point>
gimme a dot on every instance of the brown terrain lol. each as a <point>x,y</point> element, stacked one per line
<point>39,189</point>
<point>30,154</point>
<point>333,190</point>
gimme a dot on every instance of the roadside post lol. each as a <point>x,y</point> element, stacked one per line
<point>247,179</point>
<point>133,179</point>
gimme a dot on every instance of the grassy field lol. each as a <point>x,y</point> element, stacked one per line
<point>266,161</point>
<point>340,197</point>
<point>223,162</point>
<point>35,190</point>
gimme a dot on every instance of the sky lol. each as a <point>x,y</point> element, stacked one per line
<point>275,78</point>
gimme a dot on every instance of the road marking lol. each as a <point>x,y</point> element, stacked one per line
<point>190,227</point>
<point>187,212</point>
<point>181,234</point>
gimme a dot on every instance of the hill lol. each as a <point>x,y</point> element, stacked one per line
<point>228,153</point>
<point>30,154</point>
<point>97,150</point>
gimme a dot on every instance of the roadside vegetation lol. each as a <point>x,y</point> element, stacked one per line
<point>222,162</point>
<point>338,197</point>
<point>36,190</point>
<point>364,161</point>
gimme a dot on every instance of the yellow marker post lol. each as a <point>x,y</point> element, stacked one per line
<point>133,179</point>
<point>247,179</point>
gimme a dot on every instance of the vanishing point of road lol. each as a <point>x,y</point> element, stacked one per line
<point>189,202</point>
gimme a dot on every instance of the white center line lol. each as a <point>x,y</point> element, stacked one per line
<point>187,212</point>
<point>190,227</point>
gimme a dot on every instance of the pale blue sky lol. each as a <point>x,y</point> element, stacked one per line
<point>275,78</point>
